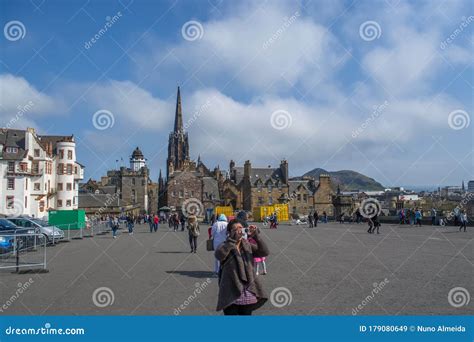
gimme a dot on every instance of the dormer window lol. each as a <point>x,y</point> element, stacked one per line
<point>12,149</point>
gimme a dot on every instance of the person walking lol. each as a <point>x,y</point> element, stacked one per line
<point>193,232</point>
<point>240,291</point>
<point>418,217</point>
<point>358,216</point>
<point>463,221</point>
<point>156,222</point>
<point>175,222</point>
<point>150,222</point>
<point>183,222</point>
<point>401,217</point>
<point>325,217</point>
<point>130,224</point>
<point>218,235</point>
<point>433,216</point>
<point>310,220</point>
<point>315,218</point>
<point>115,226</point>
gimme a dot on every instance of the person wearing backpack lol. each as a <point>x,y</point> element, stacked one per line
<point>193,231</point>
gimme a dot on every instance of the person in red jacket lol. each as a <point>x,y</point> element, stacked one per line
<point>156,221</point>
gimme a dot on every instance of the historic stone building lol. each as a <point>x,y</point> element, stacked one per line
<point>248,187</point>
<point>243,188</point>
<point>187,181</point>
<point>133,185</point>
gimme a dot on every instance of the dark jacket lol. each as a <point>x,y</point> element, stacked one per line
<point>237,271</point>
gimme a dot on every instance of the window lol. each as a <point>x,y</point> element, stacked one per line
<point>260,200</point>
<point>192,193</point>
<point>180,194</point>
<point>60,186</point>
<point>143,182</point>
<point>10,202</point>
<point>37,186</point>
<point>68,203</point>
<point>26,202</point>
<point>305,198</point>
<point>49,167</point>
<point>74,186</point>
<point>11,184</point>
<point>74,201</point>
<point>69,186</point>
<point>75,170</point>
<point>61,154</point>
<point>12,149</point>
<point>35,167</point>
<point>69,154</point>
<point>60,203</point>
<point>69,169</point>
<point>26,183</point>
<point>133,181</point>
<point>11,166</point>
<point>41,206</point>
<point>24,167</point>
<point>37,152</point>
<point>298,197</point>
<point>60,169</point>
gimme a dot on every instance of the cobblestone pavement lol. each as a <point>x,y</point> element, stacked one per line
<point>334,269</point>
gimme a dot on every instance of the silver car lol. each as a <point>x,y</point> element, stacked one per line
<point>52,233</point>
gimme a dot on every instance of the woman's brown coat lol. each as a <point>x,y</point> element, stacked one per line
<point>237,270</point>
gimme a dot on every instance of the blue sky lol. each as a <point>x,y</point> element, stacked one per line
<point>381,87</point>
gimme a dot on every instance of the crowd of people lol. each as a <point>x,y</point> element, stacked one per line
<point>240,253</point>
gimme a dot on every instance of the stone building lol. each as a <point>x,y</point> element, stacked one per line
<point>243,188</point>
<point>249,187</point>
<point>39,173</point>
<point>187,181</point>
<point>343,204</point>
<point>133,185</point>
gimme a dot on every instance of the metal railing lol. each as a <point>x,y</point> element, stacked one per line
<point>23,251</point>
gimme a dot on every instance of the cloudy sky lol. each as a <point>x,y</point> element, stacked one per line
<point>381,87</point>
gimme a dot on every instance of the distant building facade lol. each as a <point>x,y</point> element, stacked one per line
<point>39,173</point>
<point>249,187</point>
<point>132,185</point>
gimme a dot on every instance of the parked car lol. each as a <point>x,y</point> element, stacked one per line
<point>8,230</point>
<point>52,233</point>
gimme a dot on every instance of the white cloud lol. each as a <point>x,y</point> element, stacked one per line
<point>21,103</point>
<point>131,106</point>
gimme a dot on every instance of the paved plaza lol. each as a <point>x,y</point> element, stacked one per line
<point>329,270</point>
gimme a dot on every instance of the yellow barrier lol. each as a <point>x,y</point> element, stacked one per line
<point>226,210</point>
<point>281,210</point>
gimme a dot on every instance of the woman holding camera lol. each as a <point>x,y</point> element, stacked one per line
<point>240,291</point>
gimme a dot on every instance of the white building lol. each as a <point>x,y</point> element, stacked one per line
<point>38,173</point>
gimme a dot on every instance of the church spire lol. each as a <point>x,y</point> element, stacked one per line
<point>178,119</point>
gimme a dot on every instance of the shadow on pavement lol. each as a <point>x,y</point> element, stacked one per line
<point>193,274</point>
